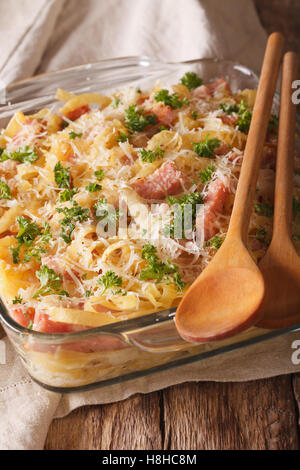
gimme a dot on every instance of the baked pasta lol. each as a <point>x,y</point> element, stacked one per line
<point>112,206</point>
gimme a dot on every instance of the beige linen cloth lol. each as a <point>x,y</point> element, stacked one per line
<point>44,35</point>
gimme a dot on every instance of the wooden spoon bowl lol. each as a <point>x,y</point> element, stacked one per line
<point>222,315</point>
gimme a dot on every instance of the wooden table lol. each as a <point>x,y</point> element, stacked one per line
<point>262,414</point>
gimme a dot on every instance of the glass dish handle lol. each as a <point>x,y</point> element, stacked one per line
<point>160,338</point>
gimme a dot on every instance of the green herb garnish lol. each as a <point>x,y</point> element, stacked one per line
<point>109,280</point>
<point>135,121</point>
<point>93,187</point>
<point>229,108</point>
<point>149,156</point>
<point>123,137</point>
<point>206,174</point>
<point>207,147</point>
<point>4,191</point>
<point>22,155</point>
<point>50,283</point>
<point>170,100</point>
<point>184,212</point>
<point>99,174</point>
<point>73,135</point>
<point>215,242</point>
<point>17,300</point>
<point>72,215</point>
<point>158,270</point>
<point>63,180</point>
<point>191,80</point>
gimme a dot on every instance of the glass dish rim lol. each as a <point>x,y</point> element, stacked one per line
<point>146,320</point>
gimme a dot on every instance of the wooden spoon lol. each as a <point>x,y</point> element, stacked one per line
<point>281,264</point>
<point>225,298</point>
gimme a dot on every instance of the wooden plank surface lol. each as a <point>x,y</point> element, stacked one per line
<point>251,415</point>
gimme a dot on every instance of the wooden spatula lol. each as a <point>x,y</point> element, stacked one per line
<point>226,296</point>
<point>281,265</point>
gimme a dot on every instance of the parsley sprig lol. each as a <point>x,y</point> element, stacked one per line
<point>22,155</point>
<point>4,191</point>
<point>158,270</point>
<point>135,121</point>
<point>207,147</point>
<point>109,280</point>
<point>50,283</point>
<point>184,212</point>
<point>93,187</point>
<point>170,100</point>
<point>149,156</point>
<point>206,174</point>
<point>35,239</point>
<point>73,214</point>
<point>191,80</point>
<point>73,135</point>
<point>63,180</point>
<point>215,242</point>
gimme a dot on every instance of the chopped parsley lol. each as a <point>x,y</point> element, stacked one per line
<point>50,282</point>
<point>149,156</point>
<point>206,174</point>
<point>93,187</point>
<point>4,191</point>
<point>194,115</point>
<point>62,176</point>
<point>135,121</point>
<point>17,300</point>
<point>72,215</point>
<point>109,280</point>
<point>245,116</point>
<point>207,147</point>
<point>123,137</point>
<point>170,100</point>
<point>103,210</point>
<point>229,108</point>
<point>35,240</point>
<point>22,155</point>
<point>158,270</point>
<point>73,135</point>
<point>63,180</point>
<point>215,242</point>
<point>99,174</point>
<point>184,212</point>
<point>191,80</point>
<point>115,103</point>
<point>88,293</point>
<point>264,209</point>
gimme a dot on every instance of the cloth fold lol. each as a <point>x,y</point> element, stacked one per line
<point>45,35</point>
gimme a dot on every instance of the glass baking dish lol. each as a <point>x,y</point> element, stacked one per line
<point>147,344</point>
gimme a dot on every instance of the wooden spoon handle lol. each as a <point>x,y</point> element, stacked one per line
<point>243,204</point>
<point>285,154</point>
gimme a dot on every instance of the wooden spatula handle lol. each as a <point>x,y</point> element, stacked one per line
<point>285,153</point>
<point>258,129</point>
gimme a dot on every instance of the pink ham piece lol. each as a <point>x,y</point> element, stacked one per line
<point>43,324</point>
<point>165,114</point>
<point>222,149</point>
<point>204,91</point>
<point>229,120</point>
<point>213,204</point>
<point>165,181</point>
